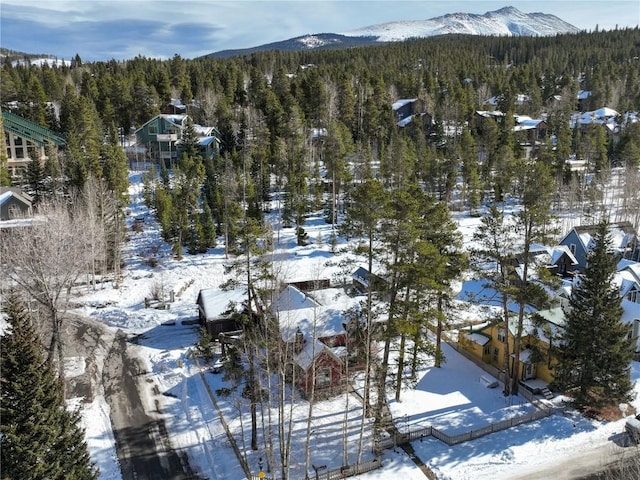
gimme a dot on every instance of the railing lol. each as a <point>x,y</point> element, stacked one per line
<point>402,438</point>
<point>338,473</point>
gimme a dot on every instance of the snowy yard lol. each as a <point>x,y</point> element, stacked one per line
<point>451,398</point>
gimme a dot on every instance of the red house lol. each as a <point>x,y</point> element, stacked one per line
<point>317,364</point>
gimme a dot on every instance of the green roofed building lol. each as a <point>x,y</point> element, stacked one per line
<point>23,140</point>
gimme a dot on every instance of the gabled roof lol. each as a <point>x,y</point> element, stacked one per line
<point>215,302</point>
<point>554,318</point>
<point>175,119</point>
<point>634,269</point>
<point>33,132</point>
<point>311,351</point>
<point>558,251</point>
<point>622,234</point>
<point>291,298</point>
<point>7,193</point>
<point>479,338</point>
<point>402,102</point>
<point>544,256</point>
<point>320,318</point>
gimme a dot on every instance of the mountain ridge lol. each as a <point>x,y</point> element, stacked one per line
<point>506,21</point>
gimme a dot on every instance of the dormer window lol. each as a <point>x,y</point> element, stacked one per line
<point>501,335</point>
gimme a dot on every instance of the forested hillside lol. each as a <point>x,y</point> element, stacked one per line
<point>266,107</point>
<point>320,134</point>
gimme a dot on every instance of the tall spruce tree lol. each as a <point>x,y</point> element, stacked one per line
<point>41,439</point>
<point>595,349</point>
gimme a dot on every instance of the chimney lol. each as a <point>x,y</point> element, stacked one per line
<point>298,342</point>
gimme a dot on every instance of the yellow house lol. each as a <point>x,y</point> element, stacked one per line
<point>486,343</point>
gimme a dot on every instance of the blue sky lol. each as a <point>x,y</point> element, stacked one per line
<point>121,29</point>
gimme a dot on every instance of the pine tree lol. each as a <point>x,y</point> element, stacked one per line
<point>114,165</point>
<point>35,179</point>
<point>595,349</point>
<point>40,438</point>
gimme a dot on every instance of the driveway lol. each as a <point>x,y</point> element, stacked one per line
<point>142,444</point>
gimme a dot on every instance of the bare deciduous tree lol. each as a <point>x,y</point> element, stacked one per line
<point>44,259</point>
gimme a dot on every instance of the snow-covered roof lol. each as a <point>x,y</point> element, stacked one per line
<point>622,235</point>
<point>402,102</point>
<point>291,298</point>
<point>318,317</point>
<point>520,99</point>
<point>176,119</point>
<point>604,112</point>
<point>202,131</point>
<point>630,311</point>
<point>405,121</point>
<point>478,338</point>
<point>206,140</point>
<point>489,113</point>
<point>526,123</point>
<point>626,280</point>
<point>558,251</point>
<point>4,197</point>
<point>216,303</point>
<point>634,269</point>
<point>583,94</point>
<point>554,318</point>
<point>7,193</point>
<point>310,351</point>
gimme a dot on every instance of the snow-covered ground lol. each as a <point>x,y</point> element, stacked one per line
<point>452,397</point>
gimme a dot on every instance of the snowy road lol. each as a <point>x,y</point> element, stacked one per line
<point>143,446</point>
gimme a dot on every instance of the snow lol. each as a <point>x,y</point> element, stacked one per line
<point>506,21</point>
<point>453,398</point>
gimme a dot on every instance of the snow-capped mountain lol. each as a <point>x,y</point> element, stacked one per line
<point>506,21</point>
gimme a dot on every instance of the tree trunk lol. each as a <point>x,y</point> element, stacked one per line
<point>400,366</point>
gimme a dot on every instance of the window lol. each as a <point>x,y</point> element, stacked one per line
<point>496,354</point>
<point>323,377</point>
<point>501,335</point>
<point>572,248</point>
<point>486,350</point>
<point>15,212</point>
<point>153,129</point>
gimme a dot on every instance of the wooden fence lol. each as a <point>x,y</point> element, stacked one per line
<point>338,473</point>
<point>402,438</point>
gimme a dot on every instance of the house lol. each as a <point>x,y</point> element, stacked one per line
<point>216,309</point>
<point>175,106</point>
<point>557,260</point>
<point>628,280</point>
<point>519,99</point>
<point>364,281</point>
<point>406,109</point>
<point>485,342</point>
<point>318,368</point>
<point>530,133</point>
<point>14,203</point>
<point>583,99</point>
<point>24,140</point>
<point>312,324</point>
<point>162,136</point>
<point>623,236</point>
